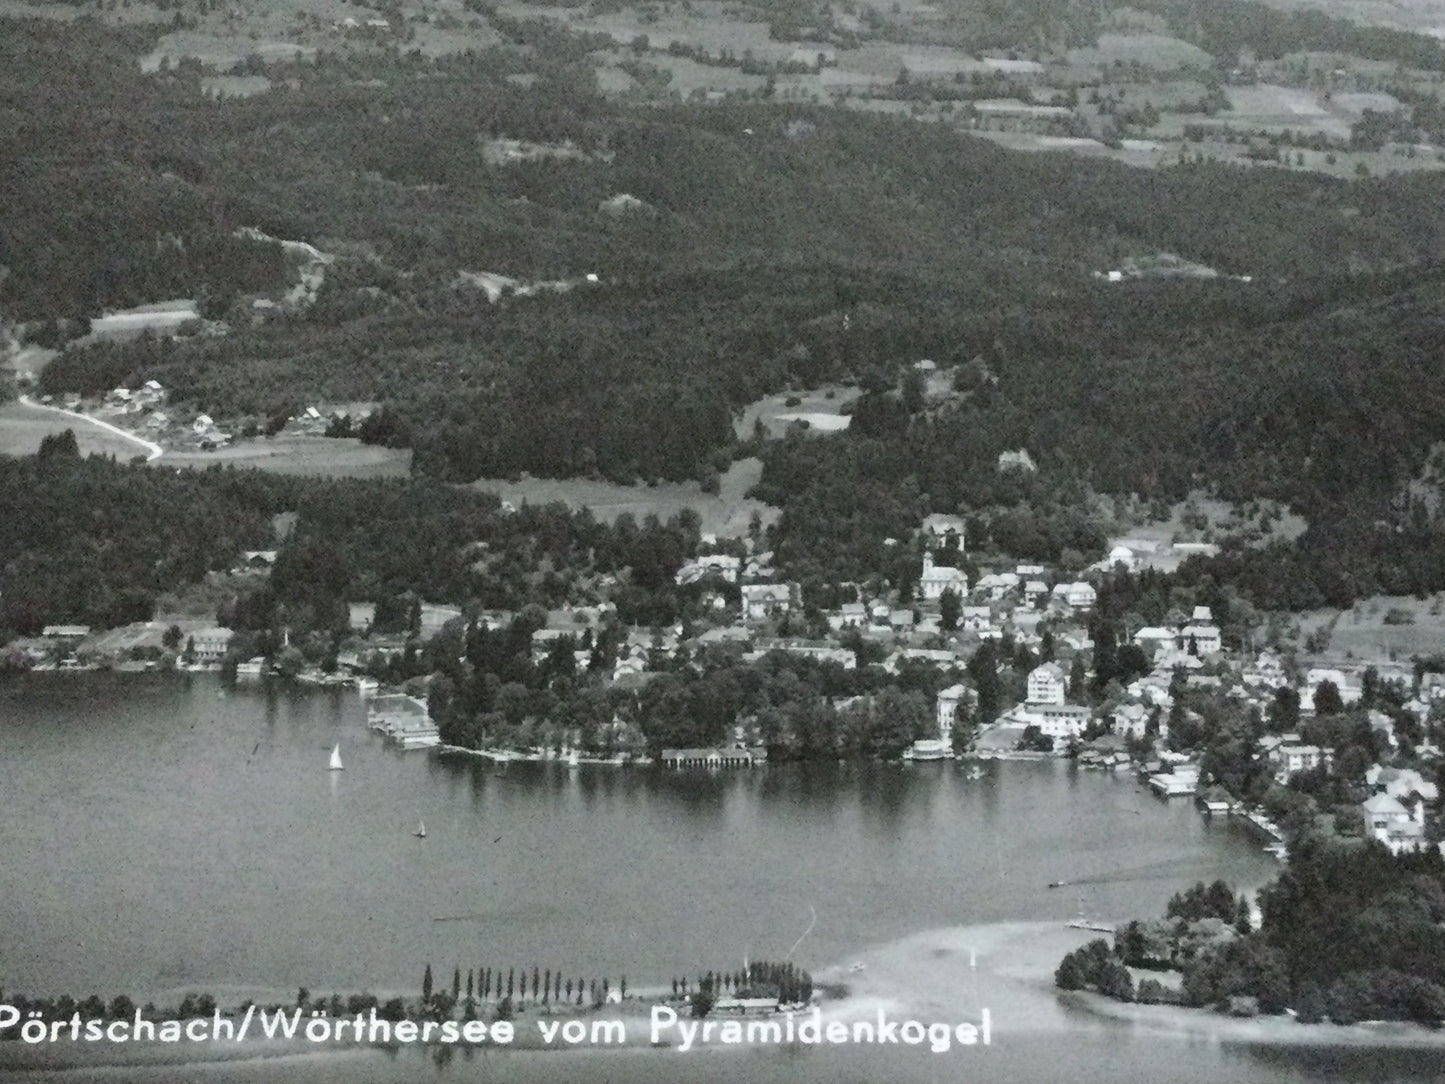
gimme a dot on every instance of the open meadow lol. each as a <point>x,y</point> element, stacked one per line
<point>727,513</point>
<point>822,408</point>
<point>1380,627</point>
<point>23,427</point>
<point>330,457</point>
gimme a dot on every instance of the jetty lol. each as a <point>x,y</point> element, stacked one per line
<point>1090,924</point>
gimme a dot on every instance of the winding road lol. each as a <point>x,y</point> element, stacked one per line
<point>153,451</point>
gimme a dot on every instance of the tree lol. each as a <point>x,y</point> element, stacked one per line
<point>426,984</point>
<point>171,638</point>
<point>58,446</point>
<point>1069,975</point>
<point>949,607</point>
<point>1327,699</point>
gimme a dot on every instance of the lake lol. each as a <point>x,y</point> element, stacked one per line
<point>166,833</point>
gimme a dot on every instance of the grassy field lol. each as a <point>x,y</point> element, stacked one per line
<point>22,428</point>
<point>322,456</point>
<point>1381,627</point>
<point>725,514</point>
<point>1221,518</point>
<point>1152,50</point>
<point>829,399</point>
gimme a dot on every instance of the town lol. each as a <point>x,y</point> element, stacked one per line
<point>1004,660</point>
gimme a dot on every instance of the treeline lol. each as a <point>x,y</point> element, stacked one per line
<point>1225,27</point>
<point>95,542</point>
<point>486,985</point>
<point>1221,29</point>
<point>1349,933</point>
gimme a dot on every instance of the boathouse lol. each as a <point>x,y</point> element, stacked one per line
<point>714,758</point>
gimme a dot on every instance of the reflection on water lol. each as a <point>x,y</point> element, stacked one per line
<point>160,837</point>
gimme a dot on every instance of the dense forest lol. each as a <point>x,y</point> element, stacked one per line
<point>1349,933</point>
<point>769,244</point>
<point>1318,395</point>
<point>92,541</point>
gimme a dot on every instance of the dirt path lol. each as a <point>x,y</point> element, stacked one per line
<point>153,451</point>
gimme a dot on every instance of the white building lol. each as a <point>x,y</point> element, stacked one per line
<point>1292,756</point>
<point>947,711</point>
<point>1047,684</point>
<point>1061,722</point>
<point>763,600</point>
<point>1120,555</point>
<point>937,579</point>
<point>1348,690</point>
<point>1204,638</point>
<point>208,646</point>
<point>721,565</point>
<point>1393,823</point>
<point>1019,460</point>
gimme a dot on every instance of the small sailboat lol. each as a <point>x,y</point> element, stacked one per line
<point>420,832</point>
<point>336,765</point>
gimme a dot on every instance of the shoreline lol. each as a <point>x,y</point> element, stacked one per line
<point>951,974</point>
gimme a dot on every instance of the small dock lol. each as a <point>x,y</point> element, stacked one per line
<point>1089,924</point>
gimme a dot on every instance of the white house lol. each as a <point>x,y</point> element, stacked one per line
<point>997,584</point>
<point>1396,825</point>
<point>947,711</point>
<point>721,565</point>
<point>976,619</point>
<point>1079,596</point>
<point>1120,555</point>
<point>1058,721</point>
<point>1348,690</point>
<point>1204,638</point>
<point>1292,756</point>
<point>1156,636</point>
<point>1047,684</point>
<point>939,526</point>
<point>1401,783</point>
<point>763,600</point>
<point>209,645</point>
<point>1130,720</point>
<point>1019,460</point>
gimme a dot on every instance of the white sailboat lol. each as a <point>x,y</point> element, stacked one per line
<point>336,765</point>
<point>420,832</point>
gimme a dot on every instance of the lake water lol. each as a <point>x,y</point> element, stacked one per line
<point>164,833</point>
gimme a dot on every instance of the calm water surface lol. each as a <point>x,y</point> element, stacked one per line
<point>167,833</point>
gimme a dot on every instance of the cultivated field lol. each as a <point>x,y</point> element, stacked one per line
<point>1381,627</point>
<point>1221,519</point>
<point>725,514</point>
<point>1152,50</point>
<point>328,457</point>
<point>22,428</point>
